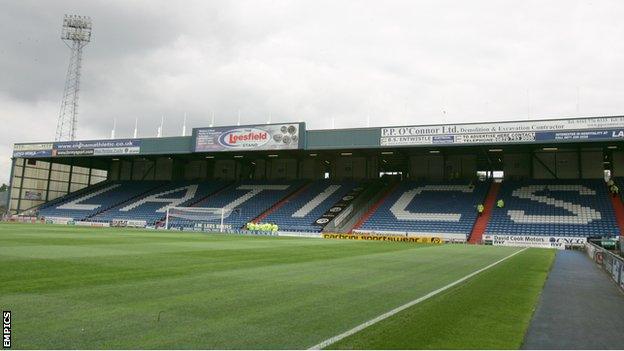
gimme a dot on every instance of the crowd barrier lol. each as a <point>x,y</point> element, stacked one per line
<point>610,262</point>
<point>411,239</point>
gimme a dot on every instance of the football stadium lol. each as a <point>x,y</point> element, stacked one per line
<point>471,236</point>
<point>480,206</point>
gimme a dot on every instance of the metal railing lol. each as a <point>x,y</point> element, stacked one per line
<point>610,262</point>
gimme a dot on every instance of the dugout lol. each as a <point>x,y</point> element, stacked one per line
<point>545,149</point>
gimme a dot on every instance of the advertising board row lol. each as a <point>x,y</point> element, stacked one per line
<point>548,242</point>
<point>78,148</point>
<point>410,239</point>
<point>291,136</point>
<point>129,223</point>
<point>599,128</point>
<point>92,224</point>
<point>285,136</point>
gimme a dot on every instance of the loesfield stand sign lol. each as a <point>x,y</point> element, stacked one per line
<point>285,136</point>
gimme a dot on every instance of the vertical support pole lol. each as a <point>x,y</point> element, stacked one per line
<point>131,169</point>
<point>21,188</point>
<point>47,198</point>
<point>69,180</point>
<point>167,220</point>
<point>90,169</point>
<point>8,203</point>
<point>119,163</point>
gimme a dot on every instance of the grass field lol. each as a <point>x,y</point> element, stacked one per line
<point>71,287</point>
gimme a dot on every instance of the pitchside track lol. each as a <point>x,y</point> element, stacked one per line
<point>70,287</point>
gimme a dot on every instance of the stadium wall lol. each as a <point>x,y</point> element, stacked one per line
<point>34,182</point>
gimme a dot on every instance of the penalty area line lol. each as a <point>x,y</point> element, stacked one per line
<point>394,311</point>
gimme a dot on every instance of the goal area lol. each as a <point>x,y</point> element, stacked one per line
<point>197,216</point>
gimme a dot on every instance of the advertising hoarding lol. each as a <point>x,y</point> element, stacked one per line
<point>283,136</point>
<point>78,148</point>
<point>549,242</point>
<point>599,128</point>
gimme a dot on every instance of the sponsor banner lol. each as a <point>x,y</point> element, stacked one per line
<point>32,154</point>
<point>411,239</point>
<point>132,223</point>
<point>581,135</point>
<point>32,195</point>
<point>32,150</point>
<point>338,207</point>
<point>92,224</point>
<point>598,128</point>
<point>59,220</point>
<point>97,147</point>
<point>78,148</point>
<point>447,237</point>
<point>299,234</point>
<point>287,136</point>
<point>209,227</point>
<point>32,147</point>
<point>550,242</point>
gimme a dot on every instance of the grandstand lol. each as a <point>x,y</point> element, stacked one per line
<point>427,209</point>
<point>579,208</point>
<point>409,181</point>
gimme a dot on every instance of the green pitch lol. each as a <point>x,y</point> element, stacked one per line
<point>71,287</point>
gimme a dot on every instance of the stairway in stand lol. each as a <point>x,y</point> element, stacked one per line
<point>374,207</point>
<point>618,208</point>
<point>482,221</point>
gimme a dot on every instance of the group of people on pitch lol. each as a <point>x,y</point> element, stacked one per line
<point>263,227</point>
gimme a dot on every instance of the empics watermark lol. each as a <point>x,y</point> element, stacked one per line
<point>6,329</point>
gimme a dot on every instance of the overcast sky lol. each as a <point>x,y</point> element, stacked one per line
<point>399,62</point>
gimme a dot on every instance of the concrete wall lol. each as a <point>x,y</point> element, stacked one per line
<point>35,182</point>
<point>460,166</point>
<point>618,163</point>
<point>592,166</point>
<point>427,167</point>
<point>226,170</point>
<point>350,168</point>
<point>517,166</point>
<point>283,169</point>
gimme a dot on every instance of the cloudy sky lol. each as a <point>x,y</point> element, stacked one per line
<point>399,62</point>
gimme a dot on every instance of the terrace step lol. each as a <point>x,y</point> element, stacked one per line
<point>482,221</point>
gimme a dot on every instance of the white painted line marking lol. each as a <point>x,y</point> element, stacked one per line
<point>392,312</point>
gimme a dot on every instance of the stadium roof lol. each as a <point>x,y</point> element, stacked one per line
<point>294,136</point>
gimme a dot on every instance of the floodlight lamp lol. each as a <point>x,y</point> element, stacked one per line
<point>76,28</point>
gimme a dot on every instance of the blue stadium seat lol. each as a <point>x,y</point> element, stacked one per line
<point>301,211</point>
<point>247,199</point>
<point>570,208</point>
<point>151,206</point>
<point>428,208</point>
<point>96,199</point>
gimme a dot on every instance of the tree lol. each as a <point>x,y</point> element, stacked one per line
<point>4,187</point>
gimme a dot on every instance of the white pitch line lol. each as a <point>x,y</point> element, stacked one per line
<point>394,311</point>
